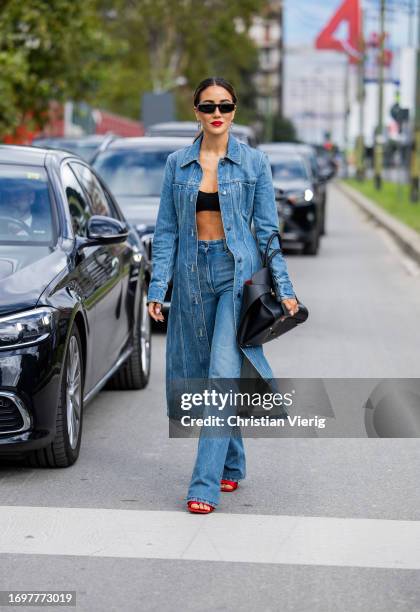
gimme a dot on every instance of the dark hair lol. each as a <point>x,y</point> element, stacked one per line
<point>207,83</point>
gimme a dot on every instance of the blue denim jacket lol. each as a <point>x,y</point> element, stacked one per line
<point>246,196</point>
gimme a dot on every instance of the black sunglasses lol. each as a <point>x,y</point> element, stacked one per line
<point>210,107</point>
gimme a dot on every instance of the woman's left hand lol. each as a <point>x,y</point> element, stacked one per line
<point>291,305</point>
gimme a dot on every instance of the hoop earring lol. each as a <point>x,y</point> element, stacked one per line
<point>230,127</point>
<point>198,125</point>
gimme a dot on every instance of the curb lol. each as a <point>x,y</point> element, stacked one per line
<point>406,237</point>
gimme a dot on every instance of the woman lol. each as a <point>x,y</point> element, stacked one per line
<point>211,193</point>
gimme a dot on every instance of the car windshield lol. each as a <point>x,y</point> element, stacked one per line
<point>25,207</point>
<point>288,170</point>
<point>132,173</point>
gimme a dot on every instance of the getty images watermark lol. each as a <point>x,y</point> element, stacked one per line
<point>296,407</point>
<point>236,399</point>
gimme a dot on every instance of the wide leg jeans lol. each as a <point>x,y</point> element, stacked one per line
<point>223,455</point>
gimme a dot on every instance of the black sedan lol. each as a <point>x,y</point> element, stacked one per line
<point>73,314</point>
<point>298,207</point>
<point>319,175</point>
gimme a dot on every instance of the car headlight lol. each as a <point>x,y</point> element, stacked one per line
<point>308,195</point>
<point>26,328</point>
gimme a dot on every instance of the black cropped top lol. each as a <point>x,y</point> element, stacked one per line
<point>208,201</point>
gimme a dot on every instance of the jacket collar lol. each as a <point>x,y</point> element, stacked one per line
<point>193,151</point>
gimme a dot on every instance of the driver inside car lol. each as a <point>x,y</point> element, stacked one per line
<point>21,200</point>
<point>18,203</point>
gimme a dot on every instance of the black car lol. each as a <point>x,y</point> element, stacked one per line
<point>318,173</point>
<point>133,169</point>
<point>297,205</point>
<point>73,313</point>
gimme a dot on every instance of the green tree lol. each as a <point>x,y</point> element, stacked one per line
<point>48,50</point>
<point>161,40</point>
<point>283,130</point>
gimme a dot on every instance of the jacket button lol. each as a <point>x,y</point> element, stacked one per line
<point>228,228</point>
<point>223,192</point>
<point>239,294</point>
<point>239,259</point>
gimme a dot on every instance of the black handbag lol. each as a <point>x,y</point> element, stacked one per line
<point>263,318</point>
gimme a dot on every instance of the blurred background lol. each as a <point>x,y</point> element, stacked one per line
<point>341,75</point>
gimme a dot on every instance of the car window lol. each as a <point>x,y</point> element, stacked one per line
<point>25,205</point>
<point>98,200</point>
<point>77,201</point>
<point>132,173</point>
<point>288,170</point>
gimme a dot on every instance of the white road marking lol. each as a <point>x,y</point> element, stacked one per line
<point>246,538</point>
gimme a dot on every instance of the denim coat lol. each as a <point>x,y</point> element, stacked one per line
<point>247,198</point>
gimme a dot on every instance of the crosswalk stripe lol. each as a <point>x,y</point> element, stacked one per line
<point>302,540</point>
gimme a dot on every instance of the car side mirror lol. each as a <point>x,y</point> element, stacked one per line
<point>105,230</point>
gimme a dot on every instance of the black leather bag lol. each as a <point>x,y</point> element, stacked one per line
<point>263,318</point>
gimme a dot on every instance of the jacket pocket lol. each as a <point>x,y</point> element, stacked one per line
<point>246,196</point>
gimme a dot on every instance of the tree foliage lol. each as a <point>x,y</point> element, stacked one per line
<point>283,130</point>
<point>48,50</point>
<point>161,40</point>
<point>109,52</point>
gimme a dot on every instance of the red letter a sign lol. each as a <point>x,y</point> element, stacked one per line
<point>348,12</point>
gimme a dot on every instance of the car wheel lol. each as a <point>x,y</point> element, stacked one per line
<point>135,372</point>
<point>63,451</point>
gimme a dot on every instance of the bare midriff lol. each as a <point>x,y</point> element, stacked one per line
<point>209,222</point>
<point>209,225</point>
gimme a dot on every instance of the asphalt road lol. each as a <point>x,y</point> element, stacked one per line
<point>318,525</point>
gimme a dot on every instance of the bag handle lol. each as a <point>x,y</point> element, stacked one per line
<point>267,259</point>
<point>273,254</point>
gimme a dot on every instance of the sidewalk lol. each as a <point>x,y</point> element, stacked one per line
<point>406,237</point>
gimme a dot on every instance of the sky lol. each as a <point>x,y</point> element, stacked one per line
<point>304,19</point>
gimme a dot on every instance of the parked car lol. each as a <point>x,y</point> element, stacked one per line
<point>319,176</point>
<point>244,133</point>
<point>73,312</point>
<point>133,169</point>
<point>83,146</point>
<point>297,207</point>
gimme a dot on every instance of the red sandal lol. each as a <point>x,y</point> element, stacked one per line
<point>232,483</point>
<point>200,510</point>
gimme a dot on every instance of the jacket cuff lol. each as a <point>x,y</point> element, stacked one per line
<point>284,290</point>
<point>155,294</point>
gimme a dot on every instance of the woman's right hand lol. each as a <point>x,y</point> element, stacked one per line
<point>155,311</point>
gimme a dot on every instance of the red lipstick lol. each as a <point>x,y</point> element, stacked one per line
<point>217,123</point>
